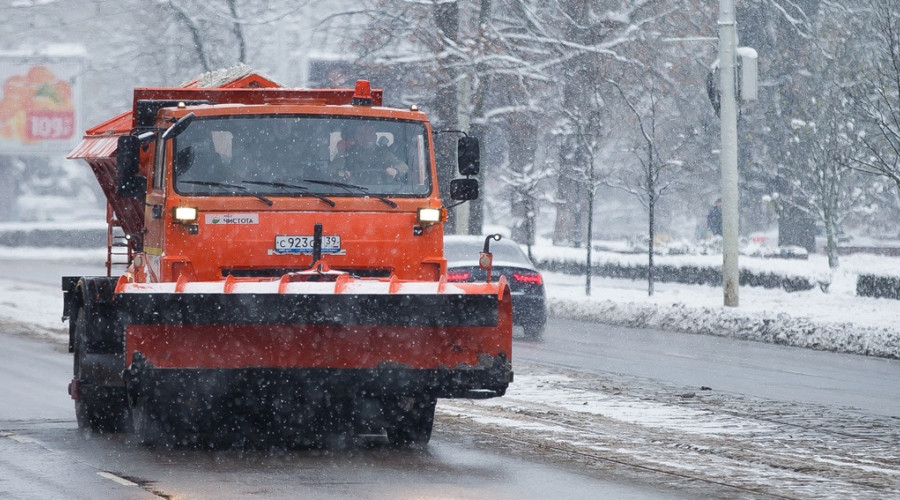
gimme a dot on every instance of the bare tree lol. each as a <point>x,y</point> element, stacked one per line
<point>822,144</point>
<point>193,26</point>
<point>648,182</point>
<point>587,129</point>
<point>525,182</point>
<point>827,184</point>
<point>515,60</point>
<point>775,153</point>
<point>580,48</point>
<point>877,96</point>
<point>218,28</point>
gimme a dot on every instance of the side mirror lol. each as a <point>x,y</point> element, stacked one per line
<point>464,189</point>
<point>468,156</point>
<point>129,183</point>
<point>178,127</point>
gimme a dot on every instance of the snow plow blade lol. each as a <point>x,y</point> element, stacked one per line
<point>453,340</point>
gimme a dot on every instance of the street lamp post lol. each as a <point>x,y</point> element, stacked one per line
<point>728,153</point>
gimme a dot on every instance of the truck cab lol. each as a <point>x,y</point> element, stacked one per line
<point>241,190</point>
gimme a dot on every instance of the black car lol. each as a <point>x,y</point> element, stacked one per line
<point>529,300</point>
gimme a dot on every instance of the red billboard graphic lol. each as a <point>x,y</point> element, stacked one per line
<point>37,107</point>
<point>41,125</point>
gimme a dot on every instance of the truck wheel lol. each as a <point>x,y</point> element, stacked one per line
<point>411,421</point>
<point>98,409</point>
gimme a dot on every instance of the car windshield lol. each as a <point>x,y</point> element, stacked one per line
<point>469,250</point>
<point>299,155</point>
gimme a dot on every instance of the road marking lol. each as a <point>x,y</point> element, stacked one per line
<point>113,477</point>
<point>107,475</point>
<point>20,439</point>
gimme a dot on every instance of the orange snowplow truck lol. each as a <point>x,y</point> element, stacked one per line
<point>285,270</point>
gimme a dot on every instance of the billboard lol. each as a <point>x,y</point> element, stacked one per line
<point>39,101</point>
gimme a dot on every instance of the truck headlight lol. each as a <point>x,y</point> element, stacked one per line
<point>429,215</point>
<point>185,215</point>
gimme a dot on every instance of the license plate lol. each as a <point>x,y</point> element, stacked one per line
<point>304,244</point>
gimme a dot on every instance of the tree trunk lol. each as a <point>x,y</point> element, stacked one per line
<point>831,247</point>
<point>590,234</point>
<point>476,207</point>
<point>651,205</point>
<point>446,18</point>
<point>521,131</point>
<point>238,31</point>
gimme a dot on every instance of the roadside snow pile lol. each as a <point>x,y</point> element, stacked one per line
<point>832,316</point>
<point>85,233</point>
<point>776,328</point>
<point>32,308</point>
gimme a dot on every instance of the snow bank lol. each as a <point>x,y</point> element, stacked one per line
<point>777,328</point>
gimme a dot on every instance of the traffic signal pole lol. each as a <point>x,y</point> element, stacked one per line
<point>728,153</point>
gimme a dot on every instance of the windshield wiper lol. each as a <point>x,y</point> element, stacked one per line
<point>285,185</point>
<point>351,187</point>
<point>233,186</point>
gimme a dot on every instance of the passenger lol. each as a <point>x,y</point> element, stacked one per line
<point>364,161</point>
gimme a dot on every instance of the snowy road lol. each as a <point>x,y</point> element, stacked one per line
<point>741,419</point>
<point>42,455</point>
<point>726,365</point>
<point>560,430</point>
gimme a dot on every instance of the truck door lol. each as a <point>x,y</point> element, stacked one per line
<point>154,215</point>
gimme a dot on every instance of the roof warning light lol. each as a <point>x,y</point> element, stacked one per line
<point>363,94</point>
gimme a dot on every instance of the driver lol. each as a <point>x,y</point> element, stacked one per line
<point>365,161</point>
<point>198,160</point>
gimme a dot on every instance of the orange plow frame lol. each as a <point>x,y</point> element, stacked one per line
<point>447,330</point>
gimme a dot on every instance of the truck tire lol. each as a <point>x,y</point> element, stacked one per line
<point>98,409</point>
<point>411,421</point>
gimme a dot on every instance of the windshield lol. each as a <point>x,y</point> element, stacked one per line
<point>294,155</point>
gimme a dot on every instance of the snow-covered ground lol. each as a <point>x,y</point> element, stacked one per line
<point>829,317</point>
<point>833,319</point>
